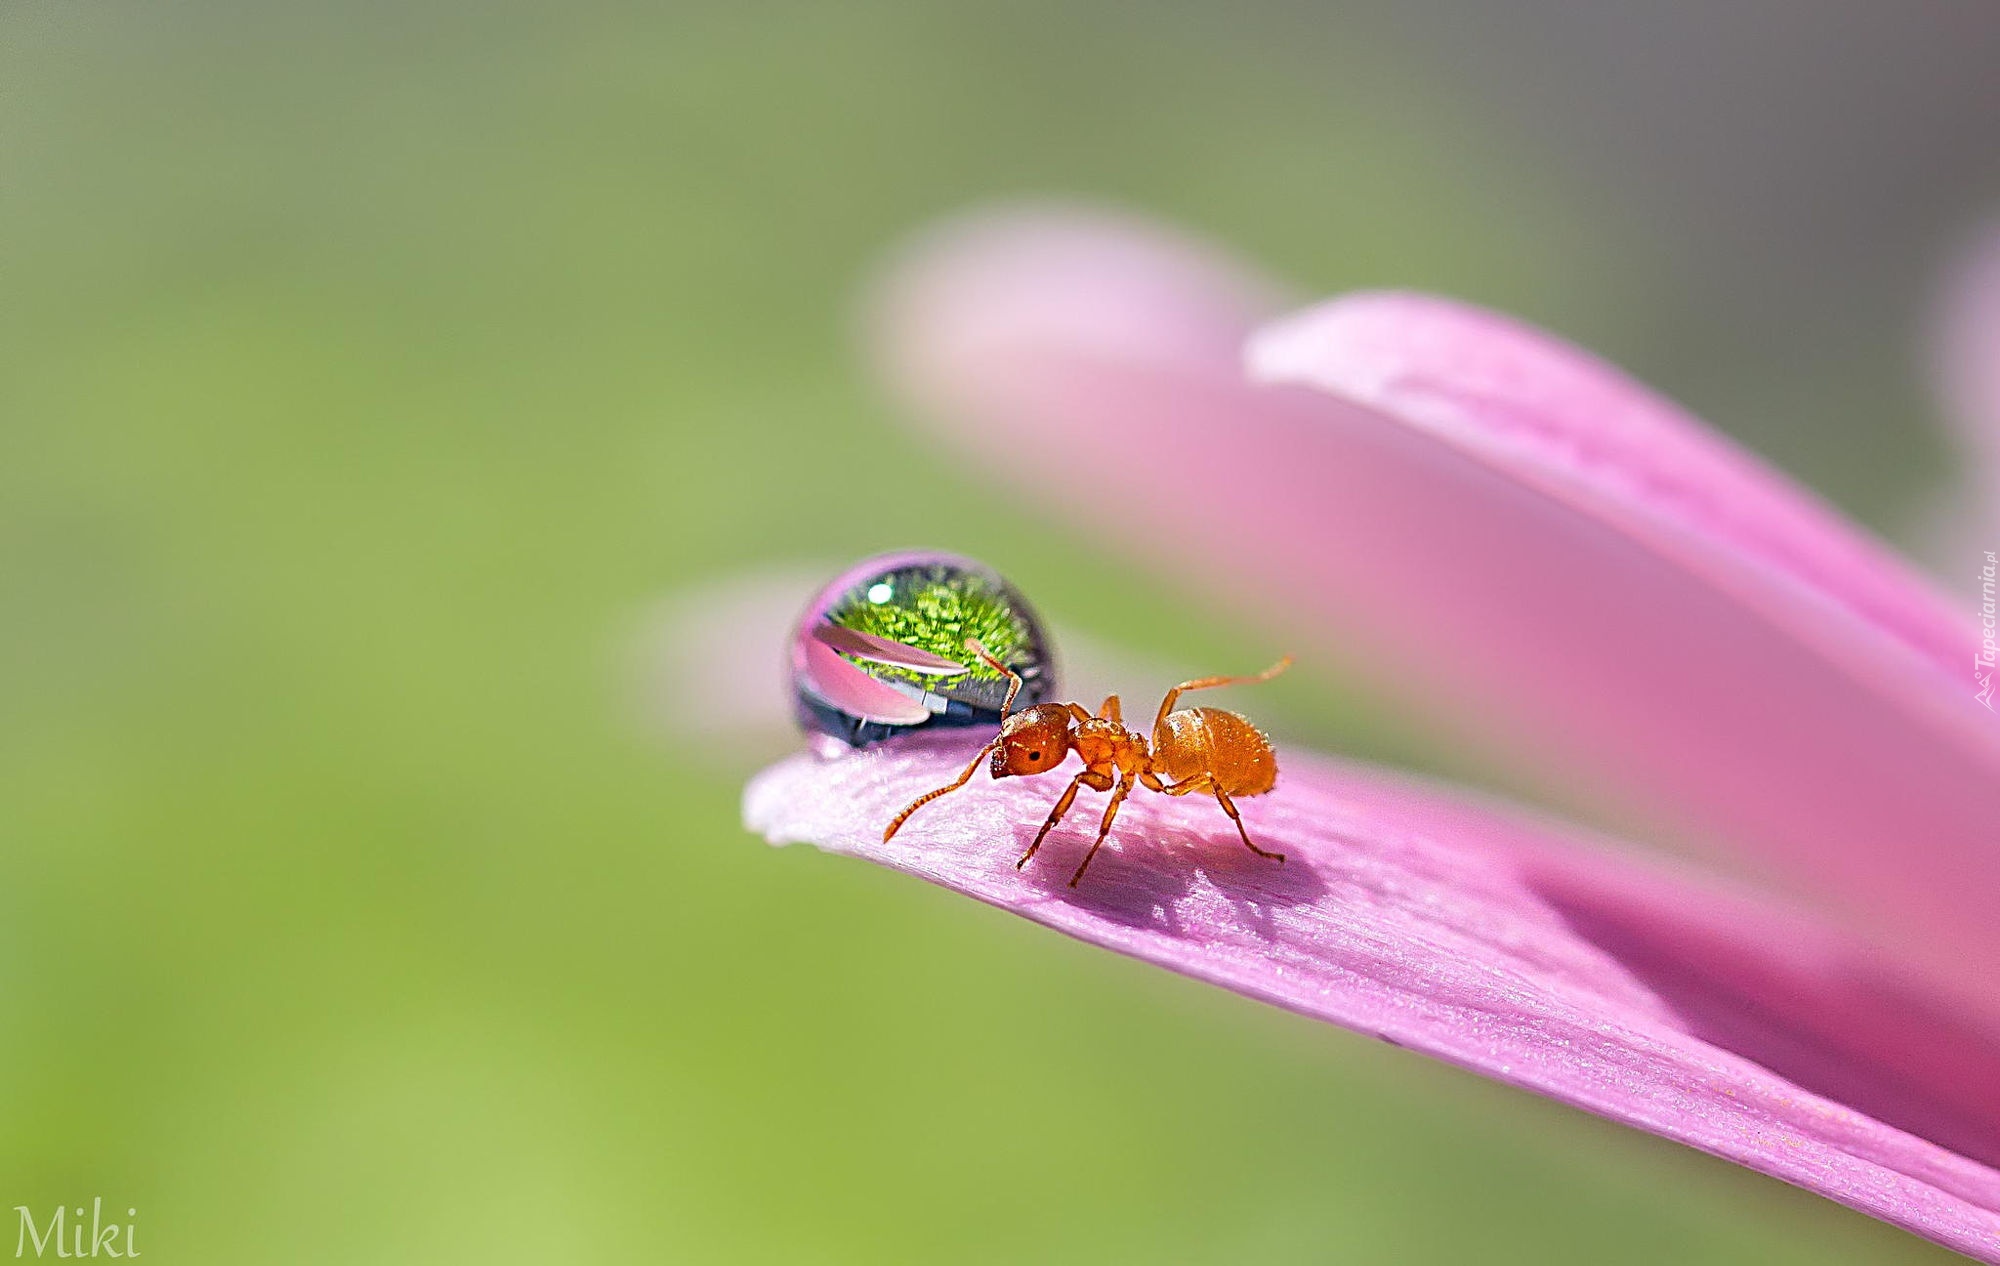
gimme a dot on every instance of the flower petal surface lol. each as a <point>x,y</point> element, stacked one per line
<point>1495,942</point>
<point>1551,558</point>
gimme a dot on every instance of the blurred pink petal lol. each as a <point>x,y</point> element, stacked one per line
<point>1494,943</point>
<point>1575,429</point>
<point>849,688</point>
<point>1968,352</point>
<point>880,650</point>
<point>1964,528</point>
<point>1551,557</point>
<point>709,664</point>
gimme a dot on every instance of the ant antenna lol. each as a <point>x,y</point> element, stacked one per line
<point>1013,678</point>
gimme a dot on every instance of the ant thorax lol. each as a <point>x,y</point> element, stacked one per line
<point>1102,742</point>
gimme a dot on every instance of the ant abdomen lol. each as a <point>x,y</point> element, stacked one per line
<point>1223,745</point>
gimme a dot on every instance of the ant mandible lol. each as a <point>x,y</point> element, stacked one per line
<point>1194,749</point>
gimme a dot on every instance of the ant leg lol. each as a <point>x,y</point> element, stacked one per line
<point>1229,807</point>
<point>1203,782</point>
<point>1111,711</point>
<point>896,823</point>
<point>1104,828</point>
<point>1205,683</point>
<point>1088,778</point>
<point>1055,816</point>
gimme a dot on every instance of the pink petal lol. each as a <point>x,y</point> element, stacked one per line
<point>1494,943</point>
<point>1549,556</point>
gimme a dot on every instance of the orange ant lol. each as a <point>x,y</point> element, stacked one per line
<point>1197,749</point>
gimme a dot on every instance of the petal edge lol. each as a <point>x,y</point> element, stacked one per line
<point>1455,929</point>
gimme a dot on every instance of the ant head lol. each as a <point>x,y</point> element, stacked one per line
<point>1032,740</point>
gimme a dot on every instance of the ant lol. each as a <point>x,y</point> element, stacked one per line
<point>1194,749</point>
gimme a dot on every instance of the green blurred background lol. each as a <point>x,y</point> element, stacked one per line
<point>367,373</point>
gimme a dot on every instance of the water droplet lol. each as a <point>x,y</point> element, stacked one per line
<point>880,651</point>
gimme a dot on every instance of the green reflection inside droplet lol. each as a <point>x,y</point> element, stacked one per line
<point>937,615</point>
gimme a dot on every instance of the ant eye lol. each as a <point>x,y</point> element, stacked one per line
<point>1034,755</point>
